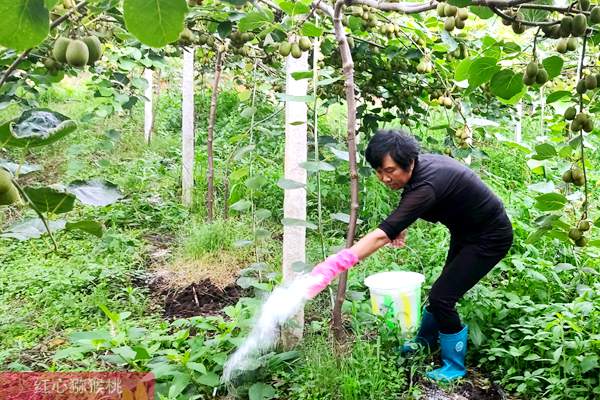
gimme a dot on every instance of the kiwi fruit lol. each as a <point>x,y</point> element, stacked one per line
<point>542,76</point>
<point>581,242</point>
<point>449,24</point>
<point>518,27</point>
<point>575,234</point>
<point>8,192</point>
<point>59,52</point>
<point>459,23</point>
<point>529,80</point>
<point>285,48</point>
<point>441,10</point>
<point>571,43</point>
<point>567,176</point>
<point>590,82</point>
<point>532,69</point>
<point>94,47</point>
<point>584,225</point>
<point>304,44</point>
<point>579,25</point>
<point>581,87</point>
<point>450,10</point>
<point>584,5</point>
<point>566,24</point>
<point>595,15</point>
<point>562,46</point>
<point>296,52</point>
<point>77,53</point>
<point>570,113</point>
<point>462,13</point>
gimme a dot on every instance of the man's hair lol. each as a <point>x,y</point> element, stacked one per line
<point>400,145</point>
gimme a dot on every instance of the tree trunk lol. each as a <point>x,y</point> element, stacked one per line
<point>148,106</point>
<point>187,143</point>
<point>294,201</point>
<point>210,174</point>
<point>348,69</point>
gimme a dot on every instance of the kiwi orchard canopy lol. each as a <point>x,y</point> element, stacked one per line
<point>402,63</point>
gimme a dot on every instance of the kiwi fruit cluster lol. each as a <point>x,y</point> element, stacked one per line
<point>445,101</point>
<point>580,121</point>
<point>74,52</point>
<point>589,82</point>
<point>366,14</point>
<point>535,73</point>
<point>574,175</point>
<point>390,30</point>
<point>574,25</point>
<point>425,66</point>
<point>8,191</point>
<point>576,234</point>
<point>294,47</point>
<point>566,44</point>
<point>463,136</point>
<point>515,21</point>
<point>455,16</point>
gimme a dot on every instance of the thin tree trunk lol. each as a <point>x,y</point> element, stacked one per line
<point>348,69</point>
<point>211,127</point>
<point>148,106</point>
<point>187,143</point>
<point>294,201</point>
<point>226,197</point>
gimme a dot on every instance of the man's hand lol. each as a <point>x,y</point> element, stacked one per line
<point>400,240</point>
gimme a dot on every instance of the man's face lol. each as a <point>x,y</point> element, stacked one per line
<point>392,175</point>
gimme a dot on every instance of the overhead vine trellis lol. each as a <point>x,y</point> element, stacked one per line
<point>576,19</point>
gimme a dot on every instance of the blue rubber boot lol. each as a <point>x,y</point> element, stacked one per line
<point>427,335</point>
<point>454,349</point>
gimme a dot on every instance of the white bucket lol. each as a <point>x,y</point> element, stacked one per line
<point>400,291</point>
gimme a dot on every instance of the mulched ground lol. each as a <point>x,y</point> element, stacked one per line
<point>197,299</point>
<point>475,387</point>
<point>202,298</point>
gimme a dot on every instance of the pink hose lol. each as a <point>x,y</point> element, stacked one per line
<point>326,271</point>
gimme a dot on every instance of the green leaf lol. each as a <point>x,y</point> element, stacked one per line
<point>126,352</point>
<point>462,69</point>
<point>302,75</point>
<point>448,41</point>
<point>236,2</point>
<point>195,366</point>
<point>553,65</point>
<point>31,229</point>
<point>481,70</point>
<point>555,96</point>
<point>262,214</point>
<point>535,236</point>
<point>155,23</point>
<point>92,227</point>
<point>255,20</point>
<point>256,182</point>
<point>550,202</point>
<point>210,379</point>
<point>54,200</point>
<point>178,385</point>
<point>241,205</point>
<point>36,127</point>
<point>261,391</point>
<point>292,8</point>
<point>343,217</point>
<point>50,3</point>
<point>224,29</point>
<point>311,30</point>
<point>289,184</point>
<point>23,168</point>
<point>506,84</point>
<point>460,3</point>
<point>248,112</point>
<point>289,97</point>
<point>298,222</point>
<point>95,192</point>
<point>544,151</point>
<point>314,166</point>
<point>557,353</point>
<point>25,23</point>
<point>589,363</point>
<point>482,12</point>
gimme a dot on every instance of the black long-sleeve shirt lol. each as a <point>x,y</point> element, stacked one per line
<point>443,190</point>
